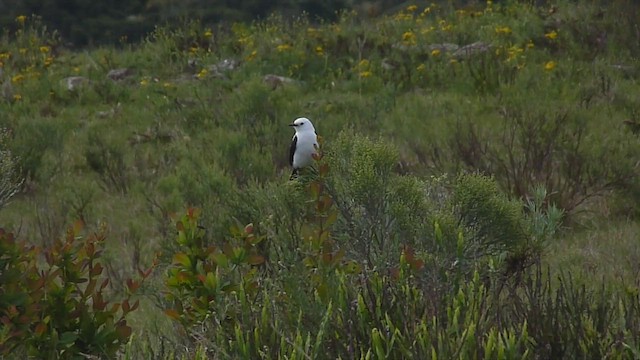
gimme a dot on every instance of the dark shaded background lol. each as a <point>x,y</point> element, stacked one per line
<point>94,22</point>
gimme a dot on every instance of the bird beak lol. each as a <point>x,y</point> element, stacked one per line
<point>292,124</point>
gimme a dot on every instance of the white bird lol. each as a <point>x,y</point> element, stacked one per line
<point>303,145</point>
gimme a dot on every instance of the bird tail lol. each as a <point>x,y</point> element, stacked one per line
<point>294,174</point>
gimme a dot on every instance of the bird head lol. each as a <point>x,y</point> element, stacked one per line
<point>302,125</point>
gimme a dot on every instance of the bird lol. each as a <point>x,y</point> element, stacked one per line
<point>303,145</point>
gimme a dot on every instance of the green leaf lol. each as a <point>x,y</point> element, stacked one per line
<point>182,259</point>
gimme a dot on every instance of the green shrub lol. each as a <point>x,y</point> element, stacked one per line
<point>61,309</point>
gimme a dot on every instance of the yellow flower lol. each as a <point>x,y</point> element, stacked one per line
<point>551,35</point>
<point>283,47</point>
<point>193,49</point>
<point>426,11</point>
<point>453,61</point>
<point>319,50</point>
<point>144,82</point>
<point>252,56</point>
<point>76,69</point>
<point>167,84</point>
<point>365,74</point>
<point>5,56</point>
<point>202,74</point>
<point>530,44</point>
<point>363,64</point>
<point>22,51</point>
<point>412,8</point>
<point>17,97</point>
<point>550,65</point>
<point>421,67</point>
<point>435,52</point>
<point>17,78</point>
<point>409,38</point>
<point>21,19</point>
<point>44,49</point>
<point>208,33</point>
<point>48,61</point>
<point>503,30</point>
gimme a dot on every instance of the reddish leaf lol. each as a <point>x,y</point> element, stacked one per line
<point>97,270</point>
<point>125,306</point>
<point>255,259</point>
<point>172,314</point>
<point>132,285</point>
<point>104,284</point>
<point>135,305</point>
<point>248,229</point>
<point>123,331</point>
<point>40,329</point>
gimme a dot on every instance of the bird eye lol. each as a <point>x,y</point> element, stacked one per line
<point>302,123</point>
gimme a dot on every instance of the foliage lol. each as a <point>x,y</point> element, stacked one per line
<point>61,309</point>
<point>464,149</point>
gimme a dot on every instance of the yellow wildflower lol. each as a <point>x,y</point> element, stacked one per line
<point>453,61</point>
<point>48,61</point>
<point>17,97</point>
<point>550,65</point>
<point>193,49</point>
<point>551,35</point>
<point>319,50</point>
<point>365,74</point>
<point>421,67</point>
<point>530,44</point>
<point>21,19</point>
<point>202,74</point>
<point>503,30</point>
<point>409,38</point>
<point>167,84</point>
<point>426,11</point>
<point>144,82</point>
<point>76,69</point>
<point>208,33</point>
<point>252,56</point>
<point>435,52</point>
<point>17,78</point>
<point>412,8</point>
<point>364,63</point>
<point>283,47</point>
<point>22,51</point>
<point>5,56</point>
<point>44,49</point>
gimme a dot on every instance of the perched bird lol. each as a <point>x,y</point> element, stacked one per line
<point>303,145</point>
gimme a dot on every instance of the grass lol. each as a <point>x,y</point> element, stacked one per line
<point>544,105</point>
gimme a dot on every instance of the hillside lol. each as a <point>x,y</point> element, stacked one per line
<point>477,194</point>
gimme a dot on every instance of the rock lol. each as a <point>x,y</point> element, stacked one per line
<point>276,80</point>
<point>73,83</point>
<point>225,65</point>
<point>119,74</point>
<point>444,47</point>
<point>109,113</point>
<point>466,51</point>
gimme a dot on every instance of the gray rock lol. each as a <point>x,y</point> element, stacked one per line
<point>274,81</point>
<point>467,51</point>
<point>119,74</point>
<point>73,83</point>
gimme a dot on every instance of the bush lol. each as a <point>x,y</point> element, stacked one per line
<point>61,309</point>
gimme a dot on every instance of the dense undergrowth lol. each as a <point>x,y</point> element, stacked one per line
<point>459,146</point>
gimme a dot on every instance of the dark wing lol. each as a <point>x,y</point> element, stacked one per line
<point>292,149</point>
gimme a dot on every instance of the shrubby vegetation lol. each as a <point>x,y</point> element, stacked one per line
<point>476,195</point>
